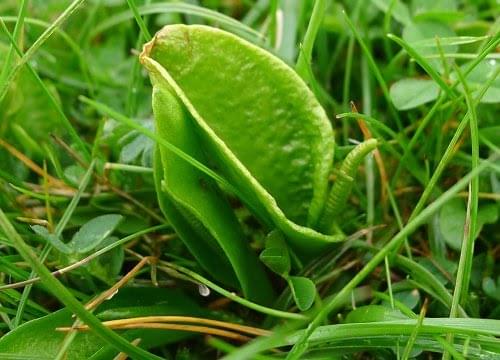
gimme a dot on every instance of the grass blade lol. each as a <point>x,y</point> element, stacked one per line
<point>66,297</point>
<point>375,69</point>
<point>305,53</point>
<point>425,65</point>
<point>301,345</point>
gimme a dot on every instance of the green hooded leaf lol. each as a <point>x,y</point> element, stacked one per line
<point>196,207</point>
<point>266,133</point>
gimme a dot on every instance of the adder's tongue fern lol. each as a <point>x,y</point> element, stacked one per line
<point>343,185</point>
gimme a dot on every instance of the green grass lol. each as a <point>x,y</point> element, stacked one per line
<point>417,273</point>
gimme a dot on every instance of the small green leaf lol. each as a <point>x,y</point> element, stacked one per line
<point>399,11</point>
<point>452,221</point>
<point>275,255</point>
<point>94,232</point>
<point>107,266</point>
<point>410,298</point>
<point>410,93</point>
<point>136,145</point>
<point>303,291</point>
<point>52,239</point>
<point>492,288</point>
<point>74,174</point>
<point>491,133</point>
<point>480,75</point>
<point>487,214</point>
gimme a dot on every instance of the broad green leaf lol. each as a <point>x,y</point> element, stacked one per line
<point>440,10</point>
<point>452,221</point>
<point>492,133</point>
<point>303,291</point>
<point>141,145</point>
<point>374,313</point>
<point>420,34</point>
<point>399,11</point>
<point>74,174</point>
<point>410,298</point>
<point>487,214</point>
<point>38,339</point>
<point>52,239</point>
<point>275,255</point>
<point>492,288</point>
<point>481,74</point>
<point>410,93</point>
<point>266,110</point>
<point>195,206</point>
<point>94,232</point>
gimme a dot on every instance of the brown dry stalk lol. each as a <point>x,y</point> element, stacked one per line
<point>114,289</point>
<point>30,164</point>
<point>123,356</point>
<point>54,273</point>
<point>108,293</point>
<point>181,319</point>
<point>66,192</point>
<point>219,303</point>
<point>161,326</point>
<point>481,195</point>
<point>27,220</point>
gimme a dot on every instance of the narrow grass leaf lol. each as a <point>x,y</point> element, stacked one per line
<point>66,297</point>
<point>305,53</point>
<point>424,64</point>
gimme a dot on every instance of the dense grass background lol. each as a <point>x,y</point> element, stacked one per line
<point>76,187</point>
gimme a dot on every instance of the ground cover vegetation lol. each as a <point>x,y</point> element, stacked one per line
<point>237,179</point>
